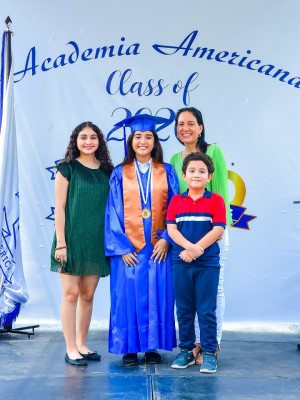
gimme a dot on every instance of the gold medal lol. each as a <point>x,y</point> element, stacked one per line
<point>146,213</point>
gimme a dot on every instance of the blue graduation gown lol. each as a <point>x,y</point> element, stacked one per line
<point>142,300</point>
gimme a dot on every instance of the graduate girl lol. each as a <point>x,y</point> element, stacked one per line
<point>142,302</point>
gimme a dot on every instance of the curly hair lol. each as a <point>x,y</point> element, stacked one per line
<point>201,144</point>
<point>101,154</point>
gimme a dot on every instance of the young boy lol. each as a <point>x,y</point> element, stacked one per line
<point>196,220</point>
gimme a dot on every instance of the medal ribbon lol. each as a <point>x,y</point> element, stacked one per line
<point>144,195</point>
<point>133,220</point>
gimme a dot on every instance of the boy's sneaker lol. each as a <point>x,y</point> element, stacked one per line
<point>184,359</point>
<point>209,365</point>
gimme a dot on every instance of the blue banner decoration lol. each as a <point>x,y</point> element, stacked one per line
<point>240,219</point>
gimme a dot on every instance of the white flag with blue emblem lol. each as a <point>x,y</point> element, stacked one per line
<point>13,291</point>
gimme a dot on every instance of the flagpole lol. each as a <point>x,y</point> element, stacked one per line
<point>9,33</point>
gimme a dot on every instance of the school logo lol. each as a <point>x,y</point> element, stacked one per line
<point>240,219</point>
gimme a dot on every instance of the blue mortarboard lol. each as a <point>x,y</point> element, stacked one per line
<point>142,122</point>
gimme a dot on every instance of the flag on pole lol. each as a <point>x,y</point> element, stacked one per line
<point>13,291</point>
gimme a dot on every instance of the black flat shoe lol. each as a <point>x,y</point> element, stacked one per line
<point>78,362</point>
<point>152,357</point>
<point>92,356</point>
<point>130,359</point>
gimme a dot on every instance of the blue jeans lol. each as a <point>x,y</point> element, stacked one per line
<point>195,290</point>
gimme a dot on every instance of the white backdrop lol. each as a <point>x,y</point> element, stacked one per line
<point>247,84</point>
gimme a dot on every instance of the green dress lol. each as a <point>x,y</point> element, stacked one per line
<point>84,227</point>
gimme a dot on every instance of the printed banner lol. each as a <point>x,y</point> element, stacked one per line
<point>103,63</point>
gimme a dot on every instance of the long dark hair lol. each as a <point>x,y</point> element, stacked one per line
<point>101,154</point>
<point>156,153</point>
<point>201,144</point>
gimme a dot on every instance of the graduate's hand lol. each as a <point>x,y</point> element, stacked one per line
<point>130,259</point>
<point>160,251</point>
<point>186,256</point>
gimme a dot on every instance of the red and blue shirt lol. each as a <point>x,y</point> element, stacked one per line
<point>194,219</point>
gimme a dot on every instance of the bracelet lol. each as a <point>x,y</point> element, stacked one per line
<point>62,247</point>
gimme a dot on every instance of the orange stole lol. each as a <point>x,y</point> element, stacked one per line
<point>133,220</point>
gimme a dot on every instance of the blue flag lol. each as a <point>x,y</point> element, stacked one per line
<point>13,291</point>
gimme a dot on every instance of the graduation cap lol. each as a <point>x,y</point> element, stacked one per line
<point>141,122</point>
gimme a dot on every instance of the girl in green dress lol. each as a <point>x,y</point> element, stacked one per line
<point>81,190</point>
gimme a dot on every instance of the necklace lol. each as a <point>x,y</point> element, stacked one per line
<point>146,213</point>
